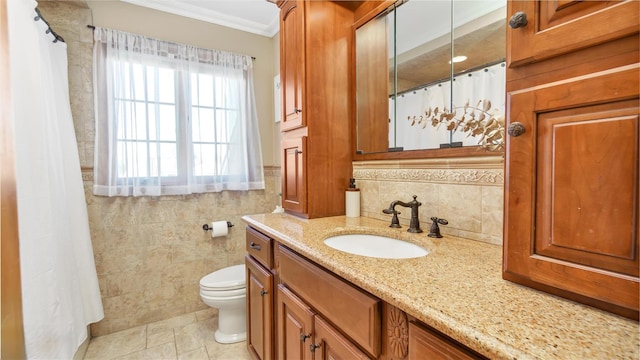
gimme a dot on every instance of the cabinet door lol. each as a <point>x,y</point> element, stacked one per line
<point>558,27</point>
<point>328,343</point>
<point>428,344</point>
<point>294,183</point>
<point>571,191</point>
<point>295,327</point>
<point>259,310</point>
<point>292,69</point>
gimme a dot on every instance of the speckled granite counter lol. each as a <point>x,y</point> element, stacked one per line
<point>458,290</point>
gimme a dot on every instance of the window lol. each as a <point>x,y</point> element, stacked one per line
<point>172,119</point>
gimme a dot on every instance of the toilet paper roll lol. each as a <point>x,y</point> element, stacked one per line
<point>219,228</point>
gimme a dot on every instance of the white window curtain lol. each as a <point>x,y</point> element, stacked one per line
<point>172,119</point>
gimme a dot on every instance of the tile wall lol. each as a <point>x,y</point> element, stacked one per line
<point>467,192</point>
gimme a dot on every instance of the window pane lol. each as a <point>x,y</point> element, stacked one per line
<point>139,164</point>
<point>137,83</point>
<point>204,159</point>
<point>153,159</point>
<point>166,86</point>
<point>205,90</point>
<point>151,83</point>
<point>121,118</point>
<point>153,129</point>
<point>222,156</point>
<point>167,124</point>
<point>203,129</point>
<point>139,122</point>
<point>168,160</point>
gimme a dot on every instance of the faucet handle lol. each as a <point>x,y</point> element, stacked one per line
<point>395,223</point>
<point>434,230</point>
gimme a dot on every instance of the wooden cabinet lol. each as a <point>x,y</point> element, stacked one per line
<point>316,41</point>
<point>571,193</point>
<point>560,27</point>
<point>292,63</point>
<point>294,184</point>
<point>334,306</point>
<point>303,335</point>
<point>425,343</point>
<point>260,296</point>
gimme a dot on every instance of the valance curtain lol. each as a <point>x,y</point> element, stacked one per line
<point>172,119</point>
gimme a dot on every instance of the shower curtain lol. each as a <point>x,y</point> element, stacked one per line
<point>60,293</point>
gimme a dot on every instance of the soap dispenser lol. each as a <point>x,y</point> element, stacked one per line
<point>352,199</point>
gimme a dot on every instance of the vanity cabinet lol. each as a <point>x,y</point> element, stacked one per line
<point>297,309</point>
<point>571,192</point>
<point>425,343</point>
<point>260,295</point>
<point>304,335</point>
<point>354,312</point>
<point>316,40</point>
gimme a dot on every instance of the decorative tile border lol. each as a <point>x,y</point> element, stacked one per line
<point>472,171</point>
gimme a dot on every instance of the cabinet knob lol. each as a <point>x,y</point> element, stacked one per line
<point>298,152</point>
<point>263,293</point>
<point>518,20</point>
<point>255,246</point>
<point>516,129</point>
<point>304,337</point>
<point>298,111</point>
<point>313,347</point>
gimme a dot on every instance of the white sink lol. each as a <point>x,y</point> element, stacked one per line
<point>375,246</point>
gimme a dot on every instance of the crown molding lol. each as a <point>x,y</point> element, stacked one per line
<point>210,16</point>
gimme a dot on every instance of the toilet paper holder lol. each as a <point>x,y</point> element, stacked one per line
<point>206,227</point>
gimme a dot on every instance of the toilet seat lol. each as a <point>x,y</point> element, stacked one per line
<point>230,278</point>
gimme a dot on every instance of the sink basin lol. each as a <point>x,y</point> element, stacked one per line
<point>375,246</point>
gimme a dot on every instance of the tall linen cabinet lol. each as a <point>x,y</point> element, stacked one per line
<point>571,193</point>
<point>316,41</point>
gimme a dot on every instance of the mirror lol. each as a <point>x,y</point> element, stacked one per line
<point>411,95</point>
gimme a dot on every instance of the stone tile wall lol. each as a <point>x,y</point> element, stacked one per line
<point>151,252</point>
<point>467,192</point>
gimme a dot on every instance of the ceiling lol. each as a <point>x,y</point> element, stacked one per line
<point>254,16</point>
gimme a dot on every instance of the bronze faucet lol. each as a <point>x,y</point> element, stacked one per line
<point>414,224</point>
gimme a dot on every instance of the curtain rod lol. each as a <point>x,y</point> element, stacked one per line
<point>49,30</point>
<point>93,28</point>
<point>467,71</point>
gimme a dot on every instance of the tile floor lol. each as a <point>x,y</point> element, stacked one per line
<point>188,336</point>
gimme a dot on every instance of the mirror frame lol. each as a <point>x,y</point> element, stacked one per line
<point>367,11</point>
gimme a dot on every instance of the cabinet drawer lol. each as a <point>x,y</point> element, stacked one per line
<point>260,247</point>
<point>350,309</point>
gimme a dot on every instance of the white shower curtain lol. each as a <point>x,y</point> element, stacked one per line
<point>60,293</point>
<point>488,83</point>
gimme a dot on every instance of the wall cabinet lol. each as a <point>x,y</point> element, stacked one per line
<point>571,193</point>
<point>316,42</point>
<point>260,295</point>
<point>292,64</point>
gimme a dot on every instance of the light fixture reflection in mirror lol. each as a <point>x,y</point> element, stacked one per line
<point>418,77</point>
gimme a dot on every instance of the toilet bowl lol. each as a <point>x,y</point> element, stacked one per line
<point>225,290</point>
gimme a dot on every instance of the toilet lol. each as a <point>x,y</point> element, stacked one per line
<point>225,290</point>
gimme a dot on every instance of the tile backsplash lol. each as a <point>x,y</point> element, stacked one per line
<point>467,192</point>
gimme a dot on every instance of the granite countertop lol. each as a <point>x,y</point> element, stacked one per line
<point>458,290</point>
